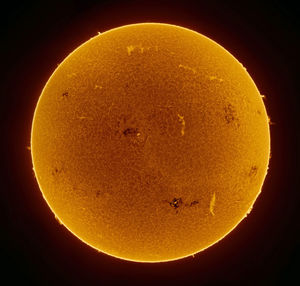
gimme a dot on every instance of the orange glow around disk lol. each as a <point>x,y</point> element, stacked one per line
<point>150,142</point>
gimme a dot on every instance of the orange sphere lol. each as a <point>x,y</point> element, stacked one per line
<point>150,142</point>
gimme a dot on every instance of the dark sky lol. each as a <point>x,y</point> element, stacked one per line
<point>35,37</point>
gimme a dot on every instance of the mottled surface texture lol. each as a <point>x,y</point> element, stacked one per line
<point>150,142</point>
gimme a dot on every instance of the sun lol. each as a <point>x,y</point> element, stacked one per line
<point>150,142</point>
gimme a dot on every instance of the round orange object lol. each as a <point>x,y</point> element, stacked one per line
<point>150,142</point>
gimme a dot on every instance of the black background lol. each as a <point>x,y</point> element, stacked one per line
<point>37,250</point>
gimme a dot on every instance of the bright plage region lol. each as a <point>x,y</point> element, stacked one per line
<point>150,142</point>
